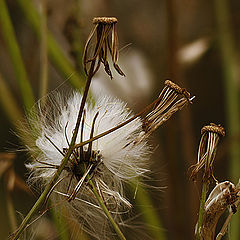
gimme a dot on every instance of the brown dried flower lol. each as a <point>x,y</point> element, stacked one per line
<point>207,150</point>
<point>106,41</point>
<point>171,99</point>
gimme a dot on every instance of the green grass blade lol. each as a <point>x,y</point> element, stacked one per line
<point>60,224</point>
<point>8,103</point>
<point>232,98</point>
<point>43,52</point>
<point>57,56</point>
<point>14,51</point>
<point>146,207</point>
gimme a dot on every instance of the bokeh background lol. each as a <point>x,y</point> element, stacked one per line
<point>193,43</point>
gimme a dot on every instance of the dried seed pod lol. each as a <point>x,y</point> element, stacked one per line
<point>106,42</point>
<point>171,99</point>
<point>207,150</point>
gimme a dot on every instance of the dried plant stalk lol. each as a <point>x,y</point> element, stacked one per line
<point>206,155</point>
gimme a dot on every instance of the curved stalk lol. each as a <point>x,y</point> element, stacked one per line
<point>54,179</point>
<point>108,214</point>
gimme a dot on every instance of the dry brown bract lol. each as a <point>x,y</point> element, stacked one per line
<point>171,99</point>
<point>207,150</point>
<point>223,195</point>
<point>106,40</point>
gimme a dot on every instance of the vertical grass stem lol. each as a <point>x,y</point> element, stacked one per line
<point>232,94</point>
<point>56,55</point>
<point>71,148</point>
<point>14,51</point>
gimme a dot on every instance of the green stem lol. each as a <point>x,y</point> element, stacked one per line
<point>118,126</point>
<point>43,195</point>
<point>11,211</point>
<point>201,210</point>
<point>14,51</point>
<point>43,51</point>
<point>8,103</point>
<point>71,148</point>
<point>60,223</point>
<point>232,94</point>
<point>57,56</point>
<point>144,203</point>
<point>109,216</point>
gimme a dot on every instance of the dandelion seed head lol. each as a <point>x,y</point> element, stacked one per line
<point>121,158</point>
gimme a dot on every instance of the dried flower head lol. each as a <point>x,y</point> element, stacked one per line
<point>207,150</point>
<point>106,41</point>
<point>171,99</point>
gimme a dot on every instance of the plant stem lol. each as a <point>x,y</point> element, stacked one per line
<point>14,51</point>
<point>64,161</point>
<point>11,211</point>
<point>43,195</point>
<point>109,216</point>
<point>43,51</point>
<point>144,203</point>
<point>58,58</point>
<point>60,223</point>
<point>118,126</point>
<point>232,94</point>
<point>8,103</point>
<point>201,210</point>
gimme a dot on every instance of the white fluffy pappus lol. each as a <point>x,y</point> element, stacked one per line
<point>121,158</point>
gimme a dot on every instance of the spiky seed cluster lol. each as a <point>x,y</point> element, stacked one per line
<point>211,135</point>
<point>106,43</point>
<point>171,99</point>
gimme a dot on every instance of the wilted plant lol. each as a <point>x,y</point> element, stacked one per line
<point>121,154</point>
<point>171,99</point>
<point>106,41</point>
<point>94,148</point>
<point>206,155</point>
<point>224,194</point>
<point>211,135</point>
